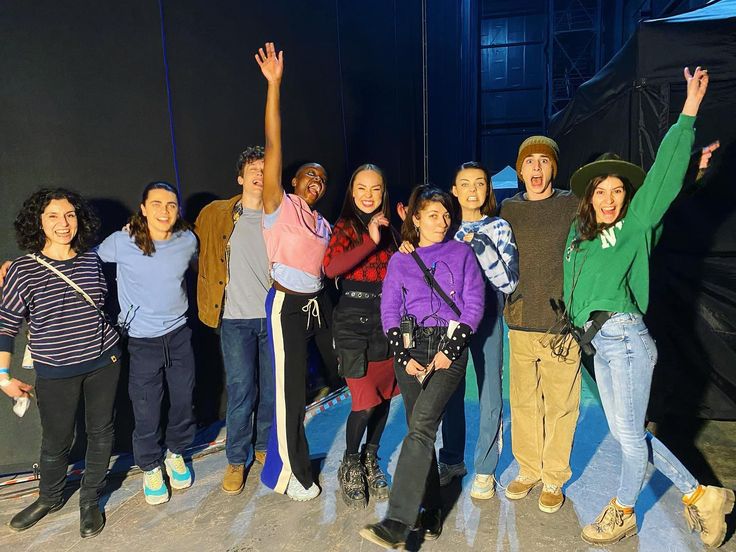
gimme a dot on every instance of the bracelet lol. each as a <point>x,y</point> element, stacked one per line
<point>4,370</point>
<point>5,382</point>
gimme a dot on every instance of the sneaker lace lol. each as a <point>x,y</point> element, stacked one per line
<point>608,519</point>
<point>694,521</point>
<point>154,478</point>
<point>177,463</point>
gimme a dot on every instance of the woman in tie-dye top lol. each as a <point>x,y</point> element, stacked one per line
<point>493,243</point>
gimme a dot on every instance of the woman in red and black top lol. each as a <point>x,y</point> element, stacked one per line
<point>357,256</point>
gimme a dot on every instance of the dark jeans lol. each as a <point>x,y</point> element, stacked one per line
<point>416,479</point>
<point>247,358</point>
<point>152,359</point>
<point>58,400</point>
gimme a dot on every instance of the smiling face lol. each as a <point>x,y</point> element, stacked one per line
<point>310,183</point>
<point>367,191</point>
<point>161,210</point>
<point>432,221</point>
<point>470,189</point>
<point>251,178</point>
<point>59,222</point>
<point>608,200</point>
<point>536,172</point>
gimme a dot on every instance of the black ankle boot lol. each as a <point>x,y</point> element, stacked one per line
<point>91,520</point>
<point>388,533</point>
<point>352,481</point>
<point>430,523</point>
<point>31,515</point>
<point>377,484</point>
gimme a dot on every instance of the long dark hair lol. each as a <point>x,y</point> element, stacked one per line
<point>349,213</point>
<point>489,205</point>
<point>139,225</point>
<point>587,226</point>
<point>420,196</point>
<point>29,232</point>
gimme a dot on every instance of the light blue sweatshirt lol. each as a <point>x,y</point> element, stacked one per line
<point>151,290</point>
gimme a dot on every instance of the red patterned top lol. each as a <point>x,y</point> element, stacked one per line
<point>365,262</point>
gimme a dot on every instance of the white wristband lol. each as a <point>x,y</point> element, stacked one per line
<point>5,382</point>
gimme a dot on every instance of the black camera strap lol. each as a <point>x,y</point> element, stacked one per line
<point>429,278</point>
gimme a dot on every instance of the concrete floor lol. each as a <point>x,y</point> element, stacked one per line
<point>204,518</point>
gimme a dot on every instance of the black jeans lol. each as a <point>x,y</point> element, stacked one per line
<point>416,479</point>
<point>58,400</point>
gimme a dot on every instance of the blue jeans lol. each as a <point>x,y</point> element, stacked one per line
<point>486,348</point>
<point>250,387</point>
<point>624,362</point>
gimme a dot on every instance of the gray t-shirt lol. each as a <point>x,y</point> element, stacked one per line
<point>248,279</point>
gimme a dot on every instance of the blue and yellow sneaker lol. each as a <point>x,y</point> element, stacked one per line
<point>154,487</point>
<point>179,475</point>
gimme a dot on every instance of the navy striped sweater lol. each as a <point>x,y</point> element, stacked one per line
<point>67,336</point>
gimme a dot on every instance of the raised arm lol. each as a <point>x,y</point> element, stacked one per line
<point>666,176</point>
<point>272,67</point>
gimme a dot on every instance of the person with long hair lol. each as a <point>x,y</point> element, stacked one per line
<point>429,342</point>
<point>75,350</point>
<point>152,257</point>
<point>617,226</point>
<point>358,254</point>
<point>297,306</point>
<point>495,248</point>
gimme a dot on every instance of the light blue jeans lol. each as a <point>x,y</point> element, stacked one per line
<point>486,348</point>
<point>624,361</point>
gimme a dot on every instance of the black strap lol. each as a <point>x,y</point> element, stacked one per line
<point>597,319</point>
<point>429,278</point>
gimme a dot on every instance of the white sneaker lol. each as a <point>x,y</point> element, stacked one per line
<point>484,487</point>
<point>296,491</point>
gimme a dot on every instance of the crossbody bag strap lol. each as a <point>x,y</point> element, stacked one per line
<point>429,278</point>
<point>66,278</point>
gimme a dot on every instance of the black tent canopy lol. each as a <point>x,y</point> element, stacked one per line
<point>626,108</point>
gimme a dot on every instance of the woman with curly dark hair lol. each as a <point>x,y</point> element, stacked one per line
<point>75,351</point>
<point>152,258</point>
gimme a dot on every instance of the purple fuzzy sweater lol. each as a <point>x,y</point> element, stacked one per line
<point>458,274</point>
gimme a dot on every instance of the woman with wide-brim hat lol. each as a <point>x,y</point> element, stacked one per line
<point>606,270</point>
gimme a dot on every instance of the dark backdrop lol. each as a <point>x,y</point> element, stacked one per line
<point>84,105</point>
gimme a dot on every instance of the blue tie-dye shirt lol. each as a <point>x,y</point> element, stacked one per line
<point>495,248</point>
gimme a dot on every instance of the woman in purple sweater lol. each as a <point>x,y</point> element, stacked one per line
<point>430,351</point>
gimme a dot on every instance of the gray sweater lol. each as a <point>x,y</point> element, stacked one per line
<point>540,229</point>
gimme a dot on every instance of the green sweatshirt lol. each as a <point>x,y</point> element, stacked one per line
<point>611,272</point>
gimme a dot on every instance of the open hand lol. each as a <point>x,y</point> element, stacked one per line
<point>272,65</point>
<point>697,84</point>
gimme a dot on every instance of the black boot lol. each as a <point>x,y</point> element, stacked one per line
<point>31,515</point>
<point>91,520</point>
<point>388,533</point>
<point>352,481</point>
<point>377,484</point>
<point>430,523</point>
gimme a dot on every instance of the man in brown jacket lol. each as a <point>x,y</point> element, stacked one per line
<point>544,389</point>
<point>231,293</point>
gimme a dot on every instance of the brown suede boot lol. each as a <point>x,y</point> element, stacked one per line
<point>234,479</point>
<point>705,512</point>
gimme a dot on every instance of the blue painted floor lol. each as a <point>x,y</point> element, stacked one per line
<point>204,518</point>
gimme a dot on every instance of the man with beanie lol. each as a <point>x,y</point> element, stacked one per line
<point>544,388</point>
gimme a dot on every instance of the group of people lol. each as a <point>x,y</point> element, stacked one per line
<point>566,270</point>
